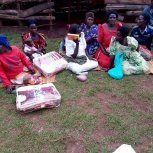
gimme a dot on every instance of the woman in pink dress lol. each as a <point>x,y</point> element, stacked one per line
<point>105,33</point>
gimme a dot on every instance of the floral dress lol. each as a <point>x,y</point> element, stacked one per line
<point>133,62</point>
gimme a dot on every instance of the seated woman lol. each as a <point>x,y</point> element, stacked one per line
<point>38,39</point>
<point>133,62</point>
<point>105,33</point>
<point>91,33</point>
<point>12,62</point>
<point>75,44</point>
<point>143,33</point>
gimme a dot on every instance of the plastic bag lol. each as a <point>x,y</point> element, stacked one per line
<point>124,148</point>
<point>117,71</point>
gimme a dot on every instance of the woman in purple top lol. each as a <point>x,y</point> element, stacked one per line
<point>91,32</point>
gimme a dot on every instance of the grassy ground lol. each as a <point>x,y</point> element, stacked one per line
<point>96,116</point>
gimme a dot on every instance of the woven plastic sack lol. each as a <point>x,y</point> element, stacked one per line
<point>34,97</point>
<point>50,63</point>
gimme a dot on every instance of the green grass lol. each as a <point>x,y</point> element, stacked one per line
<point>96,115</point>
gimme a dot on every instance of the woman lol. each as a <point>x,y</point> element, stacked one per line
<point>133,62</point>
<point>12,62</point>
<point>75,44</point>
<point>105,33</point>
<point>143,33</point>
<point>37,38</point>
<point>91,32</point>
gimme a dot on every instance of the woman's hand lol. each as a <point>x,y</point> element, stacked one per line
<point>74,55</point>
<point>106,53</point>
<point>9,89</point>
<point>41,50</point>
<point>76,41</point>
<point>89,40</point>
<point>31,70</point>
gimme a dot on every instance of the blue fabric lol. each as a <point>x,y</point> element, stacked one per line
<point>117,71</point>
<point>147,11</point>
<point>4,41</point>
<point>93,32</point>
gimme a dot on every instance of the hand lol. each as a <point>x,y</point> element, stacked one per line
<point>44,51</point>
<point>90,40</point>
<point>41,50</point>
<point>106,53</point>
<point>76,41</point>
<point>31,70</point>
<point>106,69</point>
<point>9,89</point>
<point>91,58</point>
<point>94,37</point>
<point>73,56</point>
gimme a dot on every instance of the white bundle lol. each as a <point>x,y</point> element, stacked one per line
<point>124,148</point>
<point>50,63</point>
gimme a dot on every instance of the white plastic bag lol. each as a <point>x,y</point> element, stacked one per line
<point>124,148</point>
<point>78,69</point>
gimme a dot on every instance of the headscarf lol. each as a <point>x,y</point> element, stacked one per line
<point>90,14</point>
<point>4,41</point>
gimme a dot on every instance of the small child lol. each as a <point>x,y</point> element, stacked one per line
<point>31,51</point>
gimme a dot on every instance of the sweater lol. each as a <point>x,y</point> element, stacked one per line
<point>12,64</point>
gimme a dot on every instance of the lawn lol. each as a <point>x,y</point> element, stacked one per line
<point>95,116</point>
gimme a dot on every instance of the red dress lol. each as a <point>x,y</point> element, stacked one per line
<point>39,43</point>
<point>104,38</point>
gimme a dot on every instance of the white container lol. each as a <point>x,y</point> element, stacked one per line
<point>50,63</point>
<point>34,97</point>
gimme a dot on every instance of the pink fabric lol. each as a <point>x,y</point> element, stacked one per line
<point>145,50</point>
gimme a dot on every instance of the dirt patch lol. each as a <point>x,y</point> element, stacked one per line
<point>107,98</point>
<point>91,111</point>
<point>100,132</point>
<point>141,147</point>
<point>81,102</point>
<point>74,145</point>
<point>145,83</point>
<point>37,122</point>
